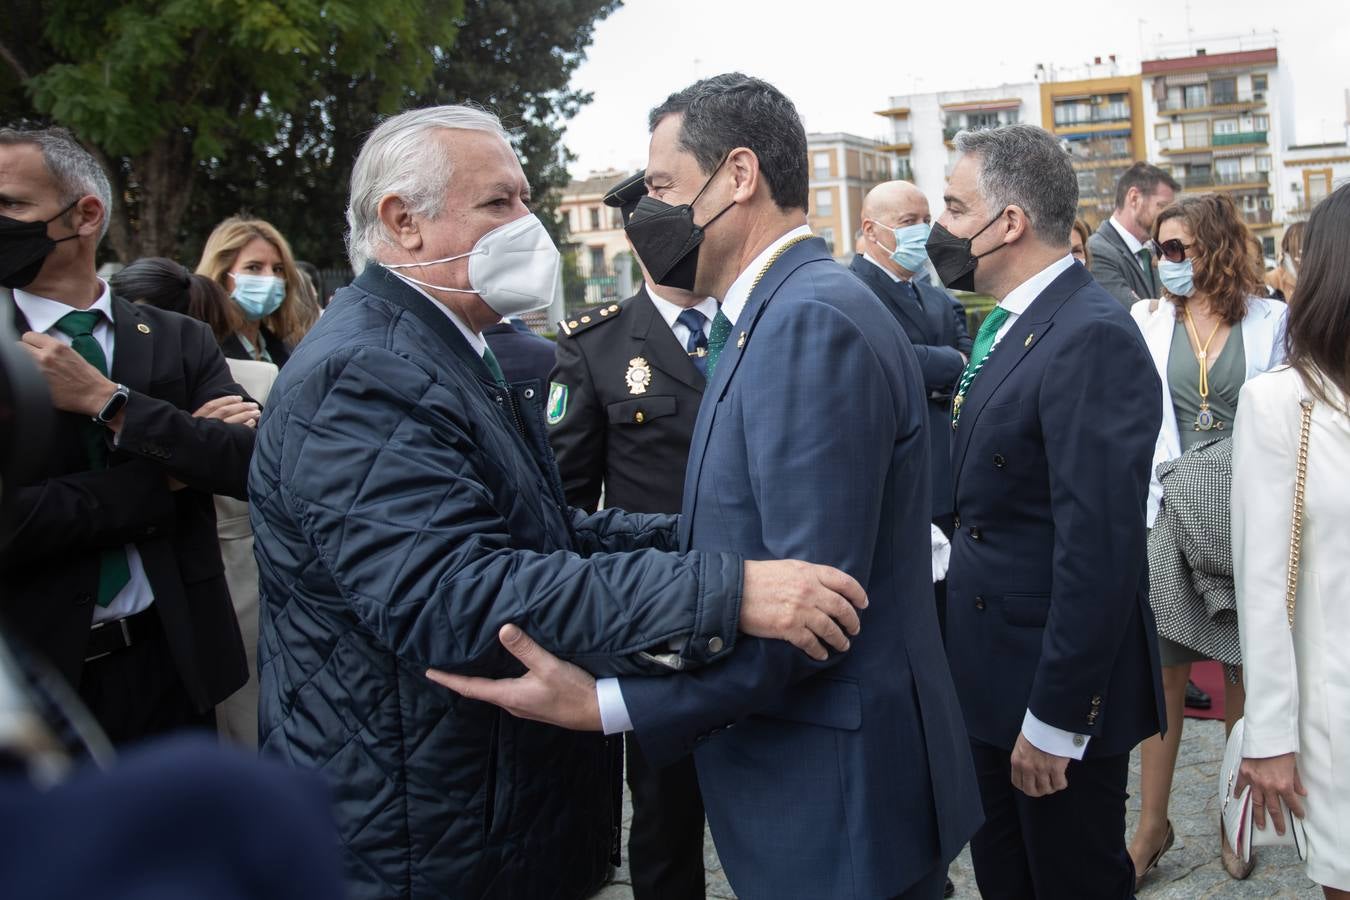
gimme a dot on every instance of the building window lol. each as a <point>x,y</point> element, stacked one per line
<point>1087,182</point>
<point>1224,90</point>
<point>1228,169</point>
<point>1162,131</point>
<point>1263,164</point>
<point>1268,245</point>
<point>824,203</point>
<point>1225,126</point>
<point>1266,201</point>
<point>597,261</point>
<point>1261,123</point>
<point>595,218</point>
<point>1196,96</point>
<point>820,166</point>
<point>827,235</point>
<point>1259,83</point>
<point>1120,146</point>
<point>977,121</point>
<point>1196,133</point>
<point>570,221</point>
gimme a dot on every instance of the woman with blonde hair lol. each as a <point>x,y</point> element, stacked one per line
<point>1212,331</point>
<point>254,265</point>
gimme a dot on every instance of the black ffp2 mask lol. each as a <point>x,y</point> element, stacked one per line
<point>24,247</point>
<point>951,256</point>
<point>666,239</point>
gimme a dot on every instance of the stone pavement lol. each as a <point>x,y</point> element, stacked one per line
<point>1189,871</point>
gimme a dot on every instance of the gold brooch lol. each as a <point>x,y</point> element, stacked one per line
<point>143,328</point>
<point>740,342</point>
<point>1030,338</point>
<point>639,375</point>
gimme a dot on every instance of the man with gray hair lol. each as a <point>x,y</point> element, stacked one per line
<point>1049,630</point>
<point>114,569</point>
<point>408,514</point>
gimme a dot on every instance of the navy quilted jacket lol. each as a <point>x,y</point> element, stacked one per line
<point>405,507</point>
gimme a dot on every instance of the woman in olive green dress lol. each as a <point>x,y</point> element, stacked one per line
<point>1210,332</point>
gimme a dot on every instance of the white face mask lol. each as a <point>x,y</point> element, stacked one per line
<point>513,267</point>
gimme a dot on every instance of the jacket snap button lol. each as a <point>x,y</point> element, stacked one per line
<point>714,644</point>
<point>999,461</point>
<point>529,393</point>
<point>975,533</point>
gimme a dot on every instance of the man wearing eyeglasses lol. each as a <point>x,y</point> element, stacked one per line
<point>1122,260</point>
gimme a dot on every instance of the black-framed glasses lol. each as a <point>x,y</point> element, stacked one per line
<point>1172,251</point>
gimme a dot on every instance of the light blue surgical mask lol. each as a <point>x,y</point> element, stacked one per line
<point>1178,278</point>
<point>910,251</point>
<point>258,295</point>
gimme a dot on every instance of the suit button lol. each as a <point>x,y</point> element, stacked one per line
<point>1096,701</point>
<point>639,418</point>
<point>999,461</point>
<point>1079,740</point>
<point>715,644</point>
<point>956,523</point>
<point>979,603</point>
<point>975,534</point>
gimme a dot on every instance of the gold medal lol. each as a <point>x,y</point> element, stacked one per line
<point>639,375</point>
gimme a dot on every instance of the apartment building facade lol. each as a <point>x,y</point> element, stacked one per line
<point>843,168</point>
<point>1217,122</point>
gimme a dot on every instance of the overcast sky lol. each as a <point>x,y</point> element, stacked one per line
<point>840,60</point>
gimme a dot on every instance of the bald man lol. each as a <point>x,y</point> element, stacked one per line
<point>895,221</point>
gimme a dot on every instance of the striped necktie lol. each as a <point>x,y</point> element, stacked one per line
<point>979,352</point>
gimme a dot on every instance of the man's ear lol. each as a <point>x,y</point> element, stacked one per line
<point>1018,224</point>
<point>744,168</point>
<point>87,216</point>
<point>399,223</point>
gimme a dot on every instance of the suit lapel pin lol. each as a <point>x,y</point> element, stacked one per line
<point>143,328</point>
<point>1030,338</point>
<point>740,341</point>
<point>639,375</point>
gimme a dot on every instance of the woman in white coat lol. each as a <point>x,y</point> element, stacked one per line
<point>1209,334</point>
<point>1296,743</point>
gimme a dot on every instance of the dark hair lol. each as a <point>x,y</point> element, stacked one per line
<point>1317,335</point>
<point>1025,166</point>
<point>1144,176</point>
<point>1292,242</point>
<point>166,284</point>
<point>733,110</point>
<point>1226,270</point>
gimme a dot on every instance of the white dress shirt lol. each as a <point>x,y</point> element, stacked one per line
<point>614,716</point>
<point>42,314</point>
<point>1043,737</point>
<point>894,277</point>
<point>476,340</point>
<point>1131,241</point>
<point>671,313</point>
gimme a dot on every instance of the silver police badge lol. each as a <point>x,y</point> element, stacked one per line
<point>639,375</point>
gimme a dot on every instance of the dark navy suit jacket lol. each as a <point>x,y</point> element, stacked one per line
<point>523,355</point>
<point>1047,604</point>
<point>936,324</point>
<point>851,778</point>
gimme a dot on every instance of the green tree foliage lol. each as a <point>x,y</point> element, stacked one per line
<point>201,109</point>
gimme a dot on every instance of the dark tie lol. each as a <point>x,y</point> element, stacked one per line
<point>696,345</point>
<point>114,572</point>
<point>490,360</point>
<point>1146,259</point>
<point>717,340</point>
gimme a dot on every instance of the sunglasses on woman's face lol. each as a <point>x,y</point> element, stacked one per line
<point>1172,251</point>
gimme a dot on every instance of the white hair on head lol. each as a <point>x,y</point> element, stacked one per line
<point>401,157</point>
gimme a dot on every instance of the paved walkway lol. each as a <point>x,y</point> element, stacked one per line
<point>1190,870</point>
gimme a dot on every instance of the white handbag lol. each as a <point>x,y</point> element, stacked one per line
<point>1236,812</point>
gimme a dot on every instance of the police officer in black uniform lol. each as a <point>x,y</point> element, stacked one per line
<point>622,402</point>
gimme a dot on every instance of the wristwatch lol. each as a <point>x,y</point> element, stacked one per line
<point>114,405</point>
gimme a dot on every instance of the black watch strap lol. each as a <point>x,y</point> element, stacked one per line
<point>114,405</point>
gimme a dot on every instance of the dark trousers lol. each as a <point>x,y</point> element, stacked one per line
<point>136,692</point>
<point>1067,846</point>
<point>665,840</point>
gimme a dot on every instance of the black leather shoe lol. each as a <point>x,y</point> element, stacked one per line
<point>949,890</point>
<point>1196,698</point>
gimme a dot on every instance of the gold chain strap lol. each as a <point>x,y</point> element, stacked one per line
<point>773,259</point>
<point>1296,531</point>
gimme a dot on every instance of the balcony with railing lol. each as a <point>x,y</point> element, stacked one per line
<point>1239,137</point>
<point>1212,103</point>
<point>1117,113</point>
<point>896,142</point>
<point>1221,180</point>
<point>1256,216</point>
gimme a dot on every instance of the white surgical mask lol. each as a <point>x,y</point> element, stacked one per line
<point>513,267</point>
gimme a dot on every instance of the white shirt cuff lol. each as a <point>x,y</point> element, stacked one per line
<point>613,711</point>
<point>1045,738</point>
<point>942,553</point>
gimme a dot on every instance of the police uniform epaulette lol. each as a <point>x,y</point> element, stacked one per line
<point>576,324</point>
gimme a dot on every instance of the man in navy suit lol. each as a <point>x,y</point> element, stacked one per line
<point>1049,631</point>
<point>843,778</point>
<point>896,222</point>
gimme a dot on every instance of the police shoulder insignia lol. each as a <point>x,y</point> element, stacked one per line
<point>589,318</point>
<point>557,402</point>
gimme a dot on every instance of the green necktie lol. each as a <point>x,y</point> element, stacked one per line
<point>490,360</point>
<point>717,340</point>
<point>1146,259</point>
<point>984,342</point>
<point>113,571</point>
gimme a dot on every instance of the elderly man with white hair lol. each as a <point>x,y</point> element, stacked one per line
<point>408,515</point>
